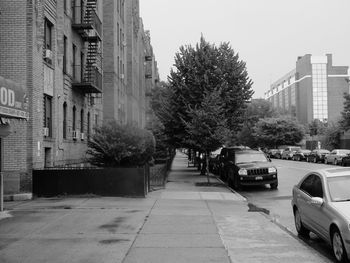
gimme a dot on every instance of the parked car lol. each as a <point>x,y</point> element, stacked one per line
<point>346,160</point>
<point>317,155</point>
<point>321,204</point>
<point>301,155</point>
<point>335,157</point>
<point>274,153</point>
<point>289,152</point>
<point>242,167</point>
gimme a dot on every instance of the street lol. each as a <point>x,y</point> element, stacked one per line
<point>277,203</point>
<point>188,221</point>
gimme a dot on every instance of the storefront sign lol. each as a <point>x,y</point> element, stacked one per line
<point>13,100</point>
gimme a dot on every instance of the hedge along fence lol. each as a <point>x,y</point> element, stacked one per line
<point>159,173</point>
<point>104,182</point>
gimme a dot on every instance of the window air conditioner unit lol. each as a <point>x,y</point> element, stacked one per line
<point>82,136</point>
<point>46,131</point>
<point>122,76</point>
<point>75,135</point>
<point>48,54</point>
<point>124,43</point>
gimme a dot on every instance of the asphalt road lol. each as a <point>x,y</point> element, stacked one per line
<point>277,203</point>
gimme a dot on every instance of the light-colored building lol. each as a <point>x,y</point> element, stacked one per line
<point>314,89</point>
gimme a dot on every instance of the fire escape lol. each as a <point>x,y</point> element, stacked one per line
<point>87,23</point>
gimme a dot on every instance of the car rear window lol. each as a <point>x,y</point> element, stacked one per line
<point>295,148</point>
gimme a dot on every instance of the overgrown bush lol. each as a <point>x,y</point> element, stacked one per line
<point>116,145</point>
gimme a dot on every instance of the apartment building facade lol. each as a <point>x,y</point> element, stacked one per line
<point>314,89</point>
<point>57,62</point>
<point>114,62</point>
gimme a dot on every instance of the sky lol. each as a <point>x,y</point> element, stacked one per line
<point>268,35</point>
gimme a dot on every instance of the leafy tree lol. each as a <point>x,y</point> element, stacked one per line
<point>273,132</point>
<point>345,114</point>
<point>317,127</point>
<point>256,109</point>
<point>259,109</point>
<point>201,73</point>
<point>163,148</point>
<point>114,145</point>
<point>198,72</point>
<point>332,135</point>
<point>206,129</point>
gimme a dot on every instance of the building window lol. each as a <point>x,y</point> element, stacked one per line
<point>65,5</point>
<point>82,121</point>
<point>82,66</point>
<point>292,96</point>
<point>48,35</point>
<point>96,120</point>
<point>88,125</point>
<point>64,54</point>
<point>64,121</point>
<point>286,98</point>
<point>74,113</point>
<point>120,37</point>
<point>118,33</point>
<point>319,91</point>
<point>74,48</point>
<point>48,114</point>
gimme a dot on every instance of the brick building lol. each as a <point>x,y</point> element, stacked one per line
<point>130,69</point>
<point>314,89</point>
<point>114,62</point>
<point>53,50</point>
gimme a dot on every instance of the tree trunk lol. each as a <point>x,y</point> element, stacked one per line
<point>207,166</point>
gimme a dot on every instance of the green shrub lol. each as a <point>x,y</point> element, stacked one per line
<point>115,145</point>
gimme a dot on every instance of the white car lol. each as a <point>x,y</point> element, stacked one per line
<point>321,204</point>
<point>335,157</point>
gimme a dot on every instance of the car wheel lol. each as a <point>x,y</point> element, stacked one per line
<point>274,185</point>
<point>338,247</point>
<point>302,231</point>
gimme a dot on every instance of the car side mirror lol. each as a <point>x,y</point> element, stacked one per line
<point>317,201</point>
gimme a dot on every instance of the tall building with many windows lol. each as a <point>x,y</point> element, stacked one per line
<point>313,90</point>
<point>52,50</point>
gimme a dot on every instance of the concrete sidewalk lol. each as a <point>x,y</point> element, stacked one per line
<point>186,222</point>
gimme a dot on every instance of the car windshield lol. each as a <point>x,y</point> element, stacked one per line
<point>250,157</point>
<point>339,188</point>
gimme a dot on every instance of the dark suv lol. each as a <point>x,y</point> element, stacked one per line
<point>247,167</point>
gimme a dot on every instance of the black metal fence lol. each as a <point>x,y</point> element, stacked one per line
<point>103,181</point>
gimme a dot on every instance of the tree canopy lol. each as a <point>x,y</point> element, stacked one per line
<point>273,132</point>
<point>206,96</point>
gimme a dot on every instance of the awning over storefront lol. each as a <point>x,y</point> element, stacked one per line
<point>14,101</point>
